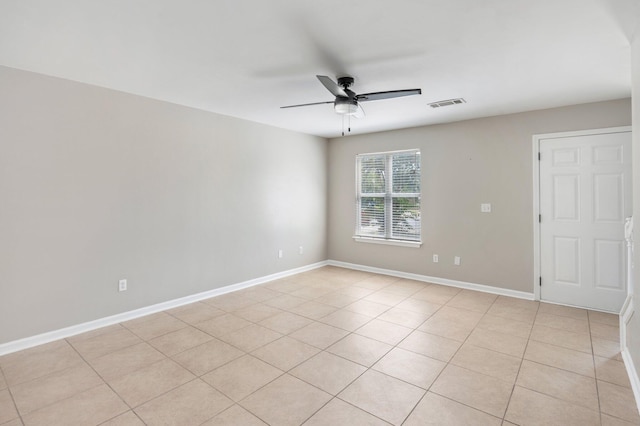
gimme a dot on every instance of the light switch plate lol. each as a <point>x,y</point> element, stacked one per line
<point>485,208</point>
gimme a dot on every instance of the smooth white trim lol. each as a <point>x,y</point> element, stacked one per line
<point>388,152</point>
<point>586,132</point>
<point>400,243</point>
<point>537,273</point>
<point>633,376</point>
<point>625,316</point>
<point>578,307</point>
<point>536,189</point>
<point>40,339</point>
<point>435,280</point>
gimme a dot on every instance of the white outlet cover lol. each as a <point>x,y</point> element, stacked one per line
<point>122,285</point>
<point>456,260</point>
<point>435,258</point>
<point>485,208</point>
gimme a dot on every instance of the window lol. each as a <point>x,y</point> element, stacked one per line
<point>388,197</point>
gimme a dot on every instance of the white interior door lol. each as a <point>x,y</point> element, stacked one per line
<point>585,195</point>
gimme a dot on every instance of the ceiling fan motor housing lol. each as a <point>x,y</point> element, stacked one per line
<point>345,82</point>
<point>346,105</point>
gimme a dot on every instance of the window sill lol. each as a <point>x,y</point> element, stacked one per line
<point>400,243</point>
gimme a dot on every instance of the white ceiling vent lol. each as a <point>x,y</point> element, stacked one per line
<point>447,102</point>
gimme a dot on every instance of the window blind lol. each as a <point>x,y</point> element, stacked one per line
<point>388,195</point>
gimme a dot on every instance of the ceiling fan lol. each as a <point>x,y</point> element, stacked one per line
<point>347,102</point>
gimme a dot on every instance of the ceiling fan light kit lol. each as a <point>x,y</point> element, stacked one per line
<point>345,106</point>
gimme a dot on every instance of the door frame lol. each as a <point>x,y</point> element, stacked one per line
<point>537,273</point>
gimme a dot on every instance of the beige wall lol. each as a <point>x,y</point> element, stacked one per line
<point>465,164</point>
<point>98,185</point>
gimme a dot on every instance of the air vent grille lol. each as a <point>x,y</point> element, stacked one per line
<point>447,102</point>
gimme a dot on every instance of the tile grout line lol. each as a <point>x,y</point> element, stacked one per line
<point>159,335</point>
<point>367,368</point>
<point>443,368</point>
<point>60,371</point>
<point>104,381</point>
<point>13,400</point>
<point>595,373</point>
<point>521,362</point>
<point>276,378</point>
<point>449,363</point>
<point>166,357</point>
<point>362,409</point>
<point>284,372</point>
<point>504,414</point>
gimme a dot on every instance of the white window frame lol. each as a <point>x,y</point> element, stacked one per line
<point>388,197</point>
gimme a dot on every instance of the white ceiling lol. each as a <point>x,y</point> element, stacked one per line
<point>246,58</point>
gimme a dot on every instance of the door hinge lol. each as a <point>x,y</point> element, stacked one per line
<point>540,281</point>
<point>539,156</point>
<point>539,218</point>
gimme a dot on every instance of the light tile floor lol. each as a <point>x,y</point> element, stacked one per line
<point>331,347</point>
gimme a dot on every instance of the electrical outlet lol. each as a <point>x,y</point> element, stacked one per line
<point>122,285</point>
<point>435,258</point>
<point>280,254</point>
<point>300,250</point>
<point>485,208</point>
<point>456,260</point>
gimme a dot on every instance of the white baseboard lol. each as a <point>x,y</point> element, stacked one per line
<point>625,317</point>
<point>633,376</point>
<point>40,339</point>
<point>435,280</point>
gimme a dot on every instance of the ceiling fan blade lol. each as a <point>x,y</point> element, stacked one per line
<point>332,86</point>
<point>359,113</point>
<point>301,105</point>
<point>375,96</point>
